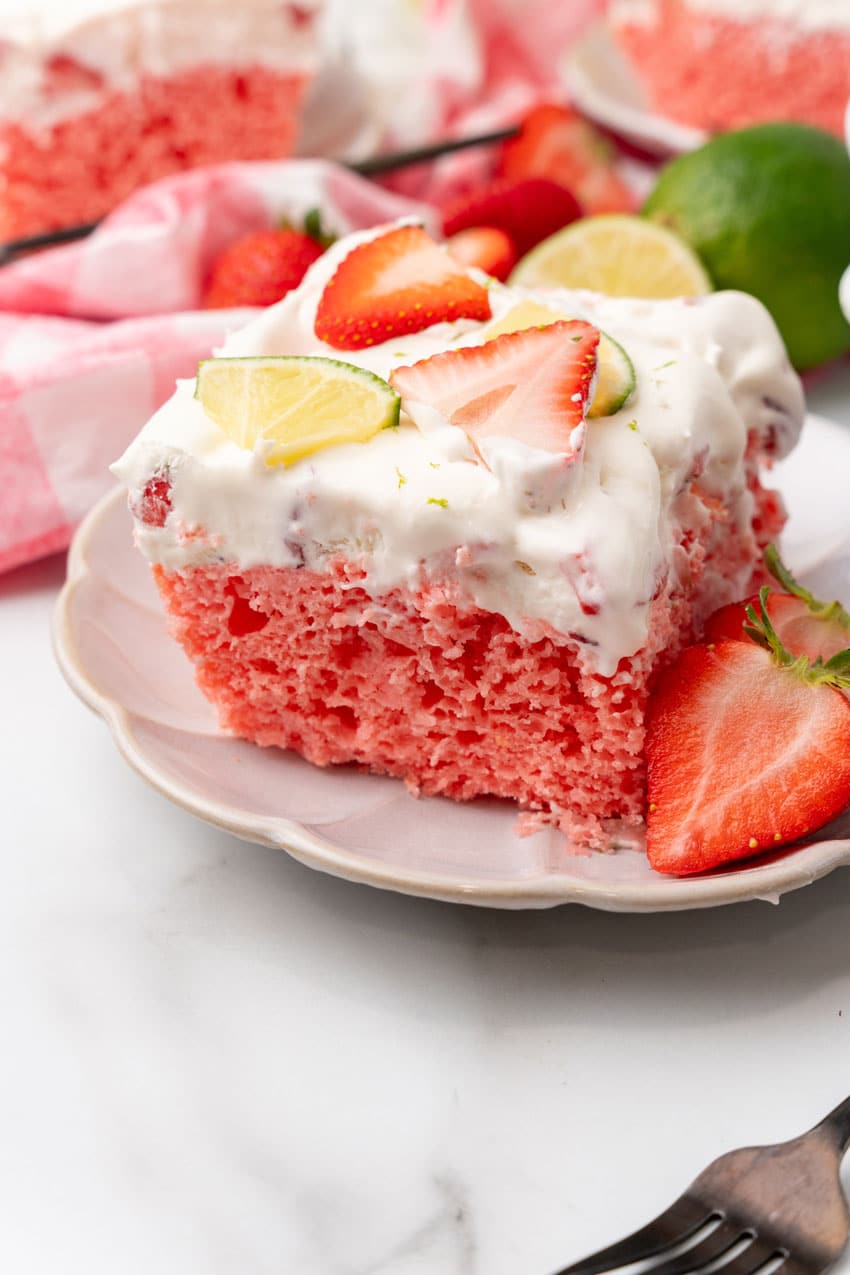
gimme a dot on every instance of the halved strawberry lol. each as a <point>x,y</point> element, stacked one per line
<point>532,385</point>
<point>746,749</point>
<point>400,282</point>
<point>260,268</point>
<point>486,247</point>
<point>804,624</point>
<point>528,211</point>
<point>556,142</point>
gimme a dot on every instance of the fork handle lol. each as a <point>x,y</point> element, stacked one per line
<point>837,1125</point>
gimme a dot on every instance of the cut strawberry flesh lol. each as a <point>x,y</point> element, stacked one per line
<point>399,283</point>
<point>742,757</point>
<point>485,247</point>
<point>531,385</point>
<point>154,504</point>
<point>801,631</point>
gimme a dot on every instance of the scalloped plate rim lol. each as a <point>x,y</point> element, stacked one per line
<point>762,881</point>
<point>637,123</point>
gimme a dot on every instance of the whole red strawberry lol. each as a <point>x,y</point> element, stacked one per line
<point>260,268</point>
<point>528,210</point>
<point>747,748</point>
<point>555,141</point>
<point>805,625</point>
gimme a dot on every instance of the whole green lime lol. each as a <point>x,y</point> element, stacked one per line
<point>767,209</point>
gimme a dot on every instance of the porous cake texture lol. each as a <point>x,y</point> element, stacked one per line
<point>419,684</point>
<point>92,107</point>
<point>719,64</point>
<point>468,626</point>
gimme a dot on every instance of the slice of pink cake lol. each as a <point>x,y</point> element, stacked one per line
<point>723,64</point>
<point>474,599</point>
<point>96,100</point>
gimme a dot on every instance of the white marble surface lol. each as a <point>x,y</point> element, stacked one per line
<point>216,1062</point>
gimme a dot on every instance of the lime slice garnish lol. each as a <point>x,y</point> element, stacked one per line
<point>525,314</point>
<point>615,379</point>
<point>619,255</point>
<point>297,404</point>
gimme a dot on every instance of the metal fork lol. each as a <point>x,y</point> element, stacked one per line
<point>757,1211</point>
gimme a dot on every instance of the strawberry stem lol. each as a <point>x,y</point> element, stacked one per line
<point>760,628</point>
<point>823,610</point>
<point>836,671</point>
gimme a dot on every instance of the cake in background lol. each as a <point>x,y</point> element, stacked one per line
<point>405,547</point>
<point>98,97</point>
<point>722,64</point>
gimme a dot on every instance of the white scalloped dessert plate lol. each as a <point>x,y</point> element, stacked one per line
<point>112,644</point>
<point>605,88</point>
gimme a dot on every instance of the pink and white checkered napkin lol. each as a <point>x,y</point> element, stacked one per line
<point>74,389</point>
<point>479,65</point>
<point>93,335</point>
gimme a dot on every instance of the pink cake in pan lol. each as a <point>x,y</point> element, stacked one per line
<point>99,98</point>
<point>476,598</point>
<point>722,64</point>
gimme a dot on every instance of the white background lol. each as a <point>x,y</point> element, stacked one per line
<point>217,1062</point>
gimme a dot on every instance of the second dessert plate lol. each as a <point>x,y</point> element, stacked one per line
<point>605,88</point>
<point>112,644</point>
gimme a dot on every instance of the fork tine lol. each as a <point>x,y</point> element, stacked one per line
<point>723,1239</point>
<point>756,1256</point>
<point>684,1218</point>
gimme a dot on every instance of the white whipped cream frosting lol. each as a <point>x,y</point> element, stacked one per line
<point>807,15</point>
<point>581,547</point>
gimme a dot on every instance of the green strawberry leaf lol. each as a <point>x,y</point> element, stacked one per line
<point>314,228</point>
<point>823,610</point>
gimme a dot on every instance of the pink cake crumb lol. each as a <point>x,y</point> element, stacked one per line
<point>717,73</point>
<point>85,164</point>
<point>423,685</point>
